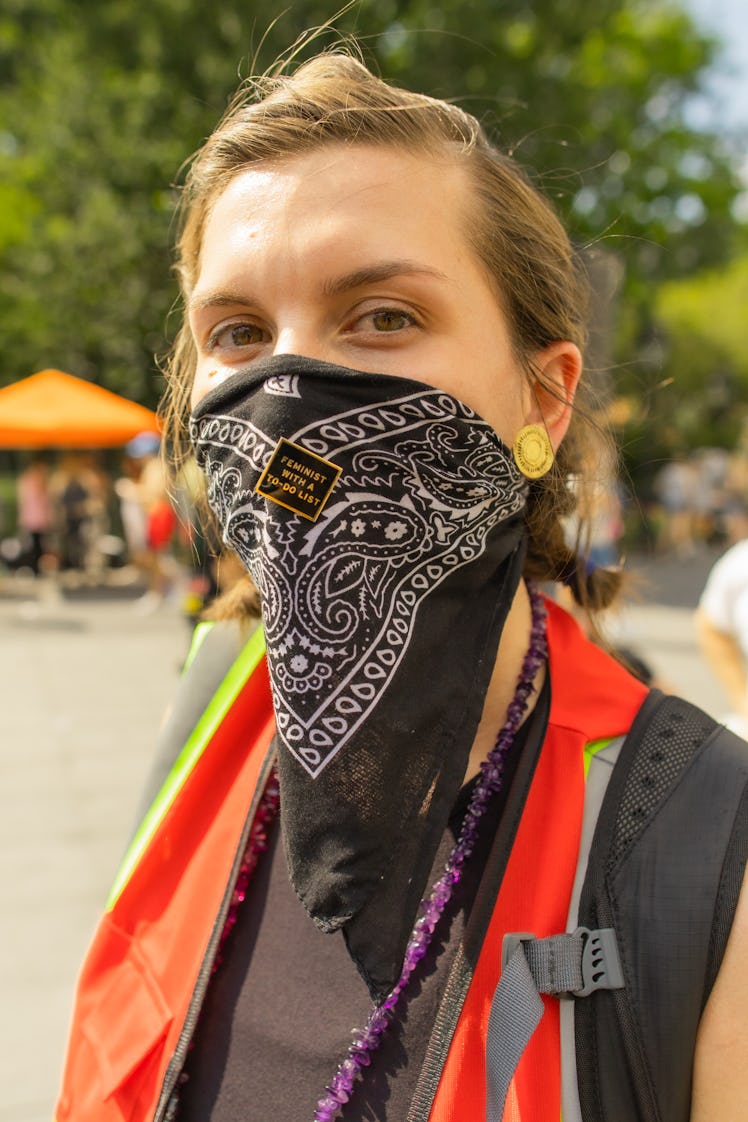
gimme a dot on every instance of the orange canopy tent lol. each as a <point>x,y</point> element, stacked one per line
<point>55,410</point>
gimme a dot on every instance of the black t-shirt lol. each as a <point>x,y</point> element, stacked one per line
<point>279,1012</point>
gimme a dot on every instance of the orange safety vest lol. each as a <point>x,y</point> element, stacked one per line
<point>154,943</point>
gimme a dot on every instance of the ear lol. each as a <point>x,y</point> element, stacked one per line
<point>556,372</point>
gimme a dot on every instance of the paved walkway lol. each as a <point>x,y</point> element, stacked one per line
<point>84,687</point>
<point>85,683</point>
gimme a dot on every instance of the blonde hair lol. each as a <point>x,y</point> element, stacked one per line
<point>513,229</point>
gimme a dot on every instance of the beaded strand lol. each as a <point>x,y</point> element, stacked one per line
<point>368,1039</point>
<point>257,843</point>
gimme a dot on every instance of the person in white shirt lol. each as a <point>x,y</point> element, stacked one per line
<point>722,627</point>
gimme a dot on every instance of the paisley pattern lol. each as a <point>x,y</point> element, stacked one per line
<point>424,480</point>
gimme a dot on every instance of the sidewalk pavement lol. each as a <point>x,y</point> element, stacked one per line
<point>85,683</point>
<point>84,687</point>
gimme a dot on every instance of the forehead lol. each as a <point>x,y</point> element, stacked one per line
<point>370,193</point>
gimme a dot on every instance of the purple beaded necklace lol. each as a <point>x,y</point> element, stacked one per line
<point>367,1039</point>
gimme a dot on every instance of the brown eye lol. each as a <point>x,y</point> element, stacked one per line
<point>236,336</point>
<point>390,320</point>
<point>246,335</point>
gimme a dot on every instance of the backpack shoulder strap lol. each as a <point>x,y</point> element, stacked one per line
<point>665,871</point>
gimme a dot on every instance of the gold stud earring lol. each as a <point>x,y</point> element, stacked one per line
<point>533,452</point>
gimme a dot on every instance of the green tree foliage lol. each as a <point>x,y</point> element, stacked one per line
<point>708,312</point>
<point>101,103</point>
<point>702,322</point>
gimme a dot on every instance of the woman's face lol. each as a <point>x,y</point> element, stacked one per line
<point>355,255</point>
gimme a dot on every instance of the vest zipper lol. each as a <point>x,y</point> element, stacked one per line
<point>450,1008</point>
<point>167,1105</point>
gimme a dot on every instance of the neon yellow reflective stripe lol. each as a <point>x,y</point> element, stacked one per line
<point>592,749</point>
<point>214,713</point>
<point>199,635</point>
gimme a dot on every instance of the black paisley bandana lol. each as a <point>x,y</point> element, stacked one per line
<point>382,521</point>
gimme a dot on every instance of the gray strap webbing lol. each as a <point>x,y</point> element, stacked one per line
<point>574,964</point>
<point>602,762</point>
<point>516,1010</point>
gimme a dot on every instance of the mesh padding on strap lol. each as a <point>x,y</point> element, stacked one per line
<point>670,747</point>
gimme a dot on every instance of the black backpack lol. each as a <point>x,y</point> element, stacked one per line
<point>661,867</point>
<point>674,818</point>
<point>665,872</point>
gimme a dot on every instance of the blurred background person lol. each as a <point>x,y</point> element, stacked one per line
<point>151,491</point>
<point>675,486</point>
<point>35,514</point>
<point>79,489</point>
<point>711,467</point>
<point>98,484</point>
<point>132,511</point>
<point>736,499</point>
<point>70,488</point>
<point>722,627</point>
<point>198,542</point>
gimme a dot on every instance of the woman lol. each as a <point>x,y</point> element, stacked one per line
<point>379,307</point>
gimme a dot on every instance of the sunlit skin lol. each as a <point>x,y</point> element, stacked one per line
<point>359,256</point>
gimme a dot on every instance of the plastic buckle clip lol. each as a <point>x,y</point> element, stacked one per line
<point>510,943</point>
<point>601,963</point>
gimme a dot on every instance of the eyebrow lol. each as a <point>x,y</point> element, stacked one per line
<point>358,278</point>
<point>381,271</point>
<point>216,299</point>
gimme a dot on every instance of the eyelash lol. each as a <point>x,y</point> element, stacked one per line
<point>389,311</point>
<point>214,339</point>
